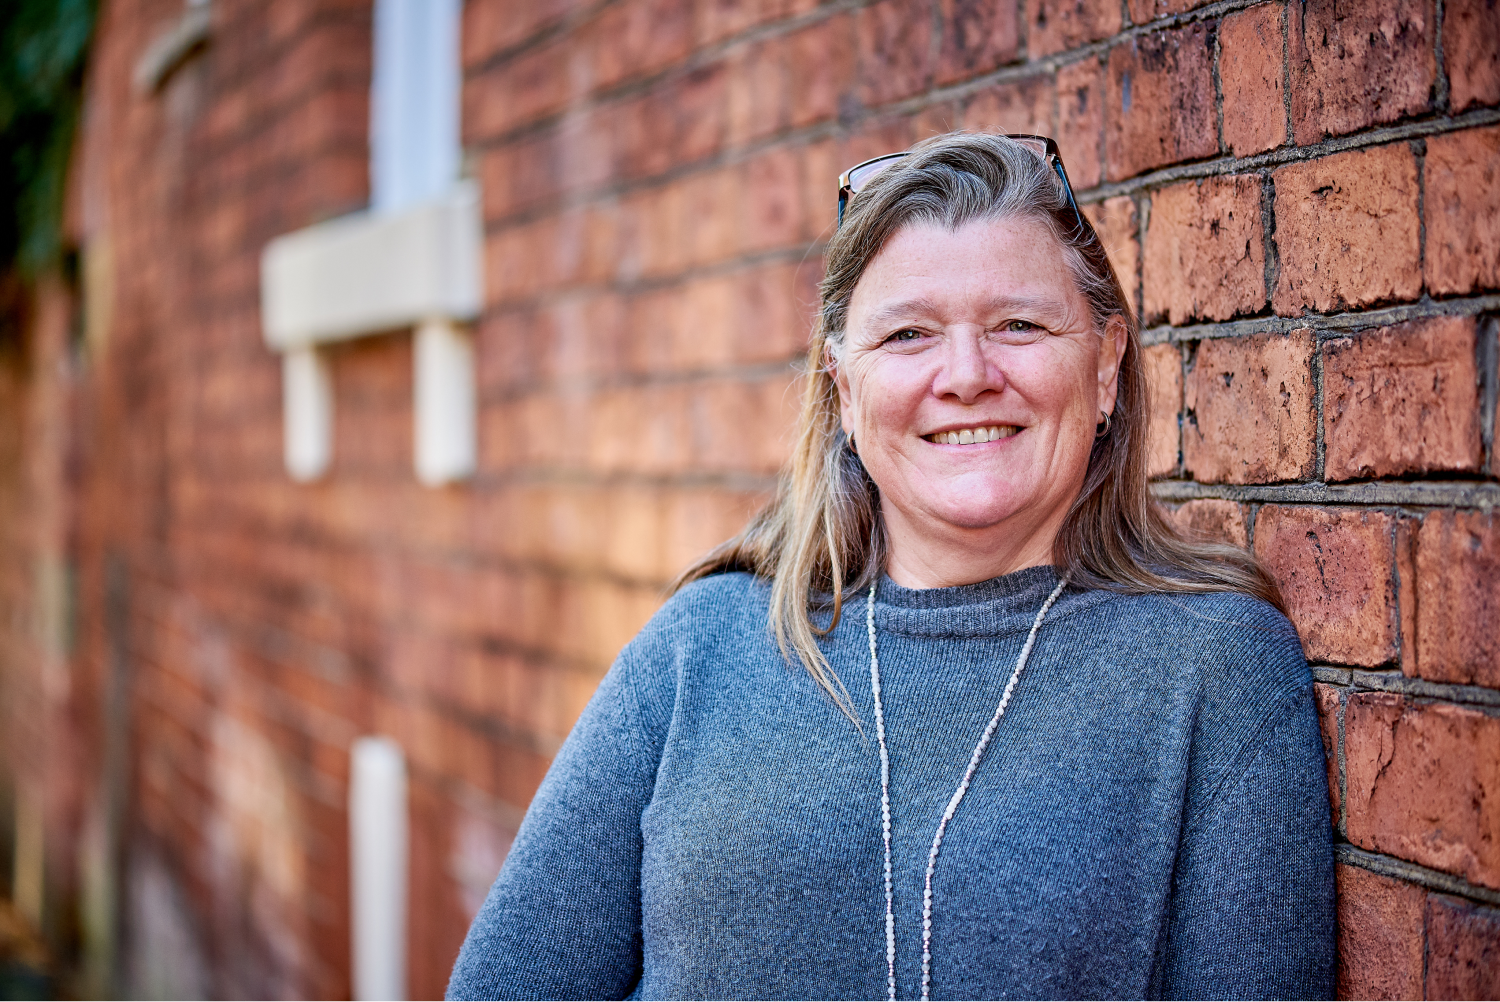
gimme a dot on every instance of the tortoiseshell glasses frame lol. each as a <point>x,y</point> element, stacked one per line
<point>853,180</point>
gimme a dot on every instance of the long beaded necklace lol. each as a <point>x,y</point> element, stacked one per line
<point>958,795</point>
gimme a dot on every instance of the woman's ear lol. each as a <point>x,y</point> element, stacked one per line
<point>1112,344</point>
<point>846,398</point>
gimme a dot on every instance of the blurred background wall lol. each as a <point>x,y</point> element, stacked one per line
<point>1302,197</point>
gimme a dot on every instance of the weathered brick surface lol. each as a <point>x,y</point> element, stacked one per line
<point>895,50</point>
<point>1352,67</point>
<point>1116,222</point>
<point>820,68</point>
<point>1205,254</point>
<point>1401,400</point>
<point>1334,569</point>
<point>1330,710</point>
<point>1080,116</point>
<point>1463,949</point>
<point>1160,101</point>
<point>1020,108</point>
<point>1462,175</point>
<point>977,37</point>
<point>1458,598</point>
<point>1250,74</point>
<point>1250,415</point>
<point>1380,936</point>
<point>1163,367</point>
<point>1057,25</point>
<point>1470,52</point>
<point>1211,520</point>
<point>1143,11</point>
<point>1421,785</point>
<point>1347,230</point>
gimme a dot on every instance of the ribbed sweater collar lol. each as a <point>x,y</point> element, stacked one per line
<point>990,608</point>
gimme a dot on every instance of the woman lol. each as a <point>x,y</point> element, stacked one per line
<point>1041,747</point>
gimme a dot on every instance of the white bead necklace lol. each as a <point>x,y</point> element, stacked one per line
<point>958,795</point>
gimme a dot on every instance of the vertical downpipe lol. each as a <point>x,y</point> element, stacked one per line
<point>378,867</point>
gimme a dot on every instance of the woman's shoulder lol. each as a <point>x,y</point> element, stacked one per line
<point>701,616</point>
<point>1229,642</point>
<point>711,605</point>
<point>687,638</point>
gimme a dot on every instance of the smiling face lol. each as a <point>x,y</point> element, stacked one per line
<point>972,379</point>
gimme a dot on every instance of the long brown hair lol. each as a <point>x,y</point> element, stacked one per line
<point>821,537</point>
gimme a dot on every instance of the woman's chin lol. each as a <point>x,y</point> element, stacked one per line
<point>972,513</point>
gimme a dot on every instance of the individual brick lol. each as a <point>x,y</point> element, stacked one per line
<point>1334,569</point>
<point>769,204</point>
<point>1058,25</point>
<point>1080,117</point>
<point>1330,706</point>
<point>1162,365</point>
<point>1142,11</point>
<point>895,51</point>
<point>639,37</point>
<point>820,67</point>
<point>1212,520</point>
<point>1463,949</point>
<point>1470,53</point>
<point>1250,76</point>
<point>1457,600</point>
<point>1023,107</point>
<point>935,119</point>
<point>978,36</point>
<point>1421,784</point>
<point>1402,399</point>
<point>1347,231</point>
<point>1461,177</point>
<point>1160,101</point>
<point>1205,251</point>
<point>718,19</point>
<point>1250,410</point>
<point>757,101</point>
<point>1379,936</point>
<point>1353,67</point>
<point>673,125</point>
<point>1115,221</point>
<point>533,84</point>
<point>1407,529</point>
<point>489,28</point>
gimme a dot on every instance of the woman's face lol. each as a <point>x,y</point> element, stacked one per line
<point>972,380</point>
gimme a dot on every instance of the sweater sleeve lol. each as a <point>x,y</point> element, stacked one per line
<point>1253,896</point>
<point>563,919</point>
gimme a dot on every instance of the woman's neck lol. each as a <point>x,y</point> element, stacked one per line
<point>946,556</point>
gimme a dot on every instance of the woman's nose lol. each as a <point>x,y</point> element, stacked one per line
<point>967,373</point>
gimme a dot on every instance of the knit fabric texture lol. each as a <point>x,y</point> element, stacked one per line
<point>1150,820</point>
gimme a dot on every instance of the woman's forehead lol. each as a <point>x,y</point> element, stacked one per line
<point>985,265</point>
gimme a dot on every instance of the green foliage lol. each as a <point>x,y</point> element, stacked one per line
<point>43,45</point>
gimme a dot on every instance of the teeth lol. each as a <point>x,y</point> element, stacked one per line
<point>974,436</point>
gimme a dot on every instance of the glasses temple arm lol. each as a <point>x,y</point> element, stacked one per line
<point>1062,172</point>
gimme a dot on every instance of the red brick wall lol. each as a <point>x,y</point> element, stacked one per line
<point>1302,201</point>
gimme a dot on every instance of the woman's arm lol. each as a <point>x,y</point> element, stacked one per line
<point>563,920</point>
<point>1253,906</point>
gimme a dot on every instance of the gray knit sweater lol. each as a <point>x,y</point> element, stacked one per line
<point>1151,817</point>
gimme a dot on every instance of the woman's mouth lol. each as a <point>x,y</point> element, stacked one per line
<point>973,436</point>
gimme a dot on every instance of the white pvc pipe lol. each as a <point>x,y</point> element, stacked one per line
<point>307,412</point>
<point>378,867</point>
<point>444,402</point>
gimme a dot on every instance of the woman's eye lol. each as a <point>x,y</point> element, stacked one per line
<point>1021,327</point>
<point>906,335</point>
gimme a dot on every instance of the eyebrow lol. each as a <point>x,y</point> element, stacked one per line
<point>922,307</point>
